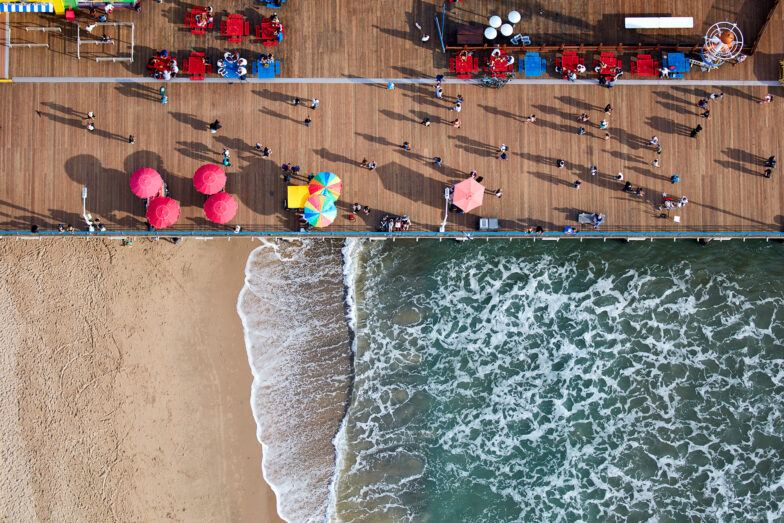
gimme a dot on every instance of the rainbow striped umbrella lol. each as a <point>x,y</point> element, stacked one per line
<point>326,184</point>
<point>320,210</point>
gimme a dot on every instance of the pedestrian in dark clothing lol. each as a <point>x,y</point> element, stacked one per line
<point>214,126</point>
<point>437,160</point>
<point>703,103</point>
<point>771,162</point>
<point>307,121</point>
<point>696,131</point>
<point>426,122</point>
<point>658,148</point>
<point>295,169</point>
<point>406,146</point>
<point>560,164</point>
<point>131,139</point>
<point>608,109</point>
<point>580,131</point>
<point>503,157</point>
<point>577,184</point>
<point>767,173</point>
<point>706,114</point>
<point>295,101</point>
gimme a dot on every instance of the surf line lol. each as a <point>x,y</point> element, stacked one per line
<point>384,81</point>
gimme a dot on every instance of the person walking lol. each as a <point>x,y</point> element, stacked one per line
<point>608,110</point>
<point>767,99</point>
<point>131,139</point>
<point>437,160</point>
<point>594,170</point>
<point>390,86</point>
<point>654,140</point>
<point>530,119</point>
<point>457,108</point>
<point>406,146</point>
<point>658,149</point>
<point>214,126</point>
<point>90,126</point>
<point>604,124</point>
<point>307,121</point>
<point>226,161</point>
<point>295,101</point>
<point>314,103</point>
<point>439,92</point>
<point>90,116</point>
<point>703,103</point>
<point>619,177</point>
<point>371,166</point>
<point>503,156</point>
<point>696,131</point>
<point>706,114</point>
<point>581,130</point>
<point>560,164</point>
<point>771,162</point>
<point>498,192</point>
<point>577,184</point>
<point>423,35</point>
<point>767,173</point>
<point>456,123</point>
<point>426,122</point>
<point>503,148</point>
<point>716,96</point>
<point>226,152</point>
<point>266,152</point>
<point>675,178</point>
<point>655,162</point>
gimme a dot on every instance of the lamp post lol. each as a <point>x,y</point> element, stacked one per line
<point>442,228</point>
<point>87,217</point>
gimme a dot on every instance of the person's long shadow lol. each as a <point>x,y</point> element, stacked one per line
<point>68,111</point>
<point>739,155</point>
<point>539,159</point>
<point>472,146</point>
<point>140,91</point>
<point>648,173</point>
<point>18,217</point>
<point>110,135</point>
<point>629,139</point>
<point>197,151</point>
<point>551,178</point>
<point>270,112</point>
<point>191,120</point>
<point>276,96</point>
<point>397,116</point>
<point>626,157</point>
<point>579,104</point>
<point>667,96</point>
<point>500,112</point>
<point>666,125</point>
<point>379,140</point>
<point>410,184</point>
<point>331,156</point>
<point>733,91</point>
<point>237,144</point>
<point>72,122</point>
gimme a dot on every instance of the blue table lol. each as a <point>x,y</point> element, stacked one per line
<point>678,63</point>
<point>232,69</point>
<point>271,71</point>
<point>533,65</point>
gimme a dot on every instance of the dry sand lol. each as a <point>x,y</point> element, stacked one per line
<point>124,383</point>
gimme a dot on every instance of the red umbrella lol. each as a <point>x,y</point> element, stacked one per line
<point>162,212</point>
<point>146,182</point>
<point>468,194</point>
<point>209,179</point>
<point>220,208</point>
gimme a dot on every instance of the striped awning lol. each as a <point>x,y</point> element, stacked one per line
<point>23,7</point>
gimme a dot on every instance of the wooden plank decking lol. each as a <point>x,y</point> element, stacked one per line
<point>377,39</point>
<point>47,158</point>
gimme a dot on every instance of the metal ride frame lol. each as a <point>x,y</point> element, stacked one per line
<point>32,28</point>
<point>80,42</point>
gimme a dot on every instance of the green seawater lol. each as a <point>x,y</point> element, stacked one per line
<point>542,381</point>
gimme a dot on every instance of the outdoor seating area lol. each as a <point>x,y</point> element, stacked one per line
<point>162,66</point>
<point>199,19</point>
<point>391,223</point>
<point>270,31</point>
<point>232,65</point>
<point>197,65</point>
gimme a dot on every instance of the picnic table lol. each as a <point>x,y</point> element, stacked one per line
<point>610,61</point>
<point>568,63</point>
<point>160,63</point>
<point>266,32</point>
<point>677,64</point>
<point>191,20</point>
<point>645,66</point>
<point>533,65</point>
<point>262,70</point>
<point>235,27</point>
<point>463,65</point>
<point>498,65</point>
<point>196,65</point>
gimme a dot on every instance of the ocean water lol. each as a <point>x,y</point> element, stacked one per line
<point>521,381</point>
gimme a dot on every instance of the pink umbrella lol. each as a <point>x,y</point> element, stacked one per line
<point>146,182</point>
<point>468,194</point>
<point>209,179</point>
<point>162,212</point>
<point>220,208</point>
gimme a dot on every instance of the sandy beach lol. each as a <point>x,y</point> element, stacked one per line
<point>125,383</point>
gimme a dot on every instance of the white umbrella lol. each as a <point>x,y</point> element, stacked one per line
<point>490,33</point>
<point>495,21</point>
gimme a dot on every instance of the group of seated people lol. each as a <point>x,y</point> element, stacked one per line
<point>233,60</point>
<point>495,56</point>
<point>394,223</point>
<point>204,18</point>
<point>162,66</point>
<point>266,59</point>
<point>276,25</point>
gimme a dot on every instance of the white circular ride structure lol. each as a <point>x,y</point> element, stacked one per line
<point>723,42</point>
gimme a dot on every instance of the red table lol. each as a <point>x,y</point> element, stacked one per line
<point>610,62</point>
<point>196,66</point>
<point>190,20</point>
<point>568,63</point>
<point>235,28</point>
<point>463,65</point>
<point>266,31</point>
<point>498,65</point>
<point>159,63</point>
<point>645,66</point>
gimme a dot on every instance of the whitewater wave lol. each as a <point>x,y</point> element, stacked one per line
<point>297,339</point>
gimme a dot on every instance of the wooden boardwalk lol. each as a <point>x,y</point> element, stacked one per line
<point>377,39</point>
<point>48,156</point>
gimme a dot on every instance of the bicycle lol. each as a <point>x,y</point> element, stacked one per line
<point>497,82</point>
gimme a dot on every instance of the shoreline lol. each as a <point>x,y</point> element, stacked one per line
<point>132,384</point>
